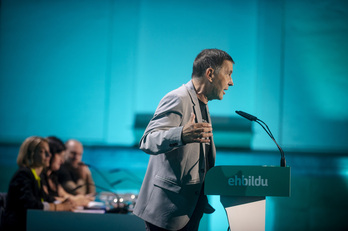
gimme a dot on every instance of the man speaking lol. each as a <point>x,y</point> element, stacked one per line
<point>180,142</point>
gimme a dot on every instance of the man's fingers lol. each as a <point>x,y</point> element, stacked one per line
<point>203,130</point>
<point>206,134</point>
<point>196,132</point>
<point>202,127</point>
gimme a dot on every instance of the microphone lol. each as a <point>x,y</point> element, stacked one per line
<point>246,115</point>
<point>116,182</point>
<point>99,172</point>
<point>97,186</point>
<point>268,131</point>
<point>124,179</point>
<point>120,208</point>
<point>133,178</point>
<point>118,199</point>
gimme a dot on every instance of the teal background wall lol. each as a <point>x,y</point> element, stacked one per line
<point>86,69</point>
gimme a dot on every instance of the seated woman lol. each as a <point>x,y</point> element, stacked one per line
<point>50,178</point>
<point>25,189</point>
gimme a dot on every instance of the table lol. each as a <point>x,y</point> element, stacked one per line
<point>39,220</point>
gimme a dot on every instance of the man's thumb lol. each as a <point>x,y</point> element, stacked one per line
<point>192,119</point>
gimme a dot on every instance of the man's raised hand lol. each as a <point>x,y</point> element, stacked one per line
<point>196,132</point>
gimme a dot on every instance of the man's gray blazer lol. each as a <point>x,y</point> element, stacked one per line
<point>176,171</point>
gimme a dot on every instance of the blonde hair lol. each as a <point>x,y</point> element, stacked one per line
<point>28,150</point>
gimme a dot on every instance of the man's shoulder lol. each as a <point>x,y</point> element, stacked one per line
<point>180,97</point>
<point>181,91</point>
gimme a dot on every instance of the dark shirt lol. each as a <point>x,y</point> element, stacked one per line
<point>207,147</point>
<point>202,203</point>
<point>67,173</point>
<point>53,192</point>
<point>23,193</point>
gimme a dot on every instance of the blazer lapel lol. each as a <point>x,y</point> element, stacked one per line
<point>196,109</point>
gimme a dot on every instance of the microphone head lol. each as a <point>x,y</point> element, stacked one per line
<point>116,182</point>
<point>115,170</point>
<point>246,115</point>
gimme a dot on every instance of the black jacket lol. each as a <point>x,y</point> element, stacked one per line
<point>23,194</point>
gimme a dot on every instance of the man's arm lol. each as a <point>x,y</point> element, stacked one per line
<point>163,132</point>
<point>91,189</point>
<point>166,130</point>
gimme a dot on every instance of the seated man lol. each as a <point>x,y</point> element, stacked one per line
<point>74,175</point>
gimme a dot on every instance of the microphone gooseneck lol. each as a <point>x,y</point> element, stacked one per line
<point>99,172</point>
<point>133,177</point>
<point>97,186</point>
<point>268,131</point>
<point>121,207</point>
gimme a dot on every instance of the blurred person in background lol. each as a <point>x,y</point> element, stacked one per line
<point>74,175</point>
<point>50,175</point>
<point>25,188</point>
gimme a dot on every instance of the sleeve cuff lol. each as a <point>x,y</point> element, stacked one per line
<point>179,138</point>
<point>46,206</point>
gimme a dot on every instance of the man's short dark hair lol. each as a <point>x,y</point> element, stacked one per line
<point>207,58</point>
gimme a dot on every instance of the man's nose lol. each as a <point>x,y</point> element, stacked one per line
<point>230,83</point>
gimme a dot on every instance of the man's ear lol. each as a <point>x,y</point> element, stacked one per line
<point>209,74</point>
